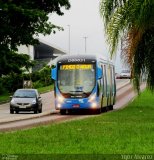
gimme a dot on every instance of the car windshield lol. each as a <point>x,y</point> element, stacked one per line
<point>76,80</point>
<point>25,94</point>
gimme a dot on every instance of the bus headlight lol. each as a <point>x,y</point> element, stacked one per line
<point>58,105</point>
<point>60,99</point>
<point>93,105</point>
<point>92,98</point>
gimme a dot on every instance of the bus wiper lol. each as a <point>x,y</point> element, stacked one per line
<point>80,92</point>
<point>75,91</point>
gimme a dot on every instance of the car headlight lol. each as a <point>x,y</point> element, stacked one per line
<point>34,101</point>
<point>92,98</point>
<point>60,99</point>
<point>12,101</point>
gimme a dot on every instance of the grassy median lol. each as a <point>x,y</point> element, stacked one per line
<point>127,131</point>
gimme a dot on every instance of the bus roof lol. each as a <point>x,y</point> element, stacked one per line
<point>79,57</point>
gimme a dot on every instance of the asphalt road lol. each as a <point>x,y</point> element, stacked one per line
<point>125,94</point>
<point>48,105</point>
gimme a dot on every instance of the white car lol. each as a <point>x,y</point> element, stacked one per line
<point>125,74</point>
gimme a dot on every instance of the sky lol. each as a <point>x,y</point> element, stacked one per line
<point>85,21</point>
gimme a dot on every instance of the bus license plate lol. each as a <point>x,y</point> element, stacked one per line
<point>76,106</point>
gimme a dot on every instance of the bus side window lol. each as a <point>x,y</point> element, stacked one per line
<point>108,81</point>
<point>105,81</point>
<point>113,80</point>
<point>102,80</point>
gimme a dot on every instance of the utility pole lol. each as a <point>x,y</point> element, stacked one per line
<point>85,43</point>
<point>69,39</point>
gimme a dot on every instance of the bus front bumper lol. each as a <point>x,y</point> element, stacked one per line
<point>76,104</point>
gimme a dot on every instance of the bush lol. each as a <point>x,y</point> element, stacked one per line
<point>44,76</point>
<point>35,76</point>
<point>37,84</point>
<point>2,89</point>
<point>11,82</point>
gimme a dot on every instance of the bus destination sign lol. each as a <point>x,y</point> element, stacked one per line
<point>76,66</point>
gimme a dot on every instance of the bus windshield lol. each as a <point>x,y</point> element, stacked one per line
<point>76,80</point>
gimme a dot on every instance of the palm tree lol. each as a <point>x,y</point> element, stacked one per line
<point>131,22</point>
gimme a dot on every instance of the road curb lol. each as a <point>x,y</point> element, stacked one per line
<point>3,102</point>
<point>3,121</point>
<point>135,95</point>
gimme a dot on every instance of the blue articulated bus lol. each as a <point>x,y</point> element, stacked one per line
<point>84,82</point>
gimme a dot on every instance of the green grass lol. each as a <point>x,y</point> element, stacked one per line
<point>127,131</point>
<point>45,89</point>
<point>6,97</point>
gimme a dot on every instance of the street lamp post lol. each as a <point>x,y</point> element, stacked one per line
<point>69,39</point>
<point>85,43</point>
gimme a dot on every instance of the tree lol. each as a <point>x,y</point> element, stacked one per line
<point>132,23</point>
<point>13,62</point>
<point>21,20</point>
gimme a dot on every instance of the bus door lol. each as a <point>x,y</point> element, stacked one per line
<point>109,84</point>
<point>104,104</point>
<point>113,85</point>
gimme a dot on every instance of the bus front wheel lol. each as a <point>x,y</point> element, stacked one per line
<point>63,111</point>
<point>99,111</point>
<point>111,107</point>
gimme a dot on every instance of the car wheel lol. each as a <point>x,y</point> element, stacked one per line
<point>62,111</point>
<point>17,112</point>
<point>40,110</point>
<point>35,111</point>
<point>11,111</point>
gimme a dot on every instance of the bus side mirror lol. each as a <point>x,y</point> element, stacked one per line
<point>54,73</point>
<point>99,73</point>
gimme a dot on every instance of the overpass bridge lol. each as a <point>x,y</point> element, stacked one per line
<point>44,53</point>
